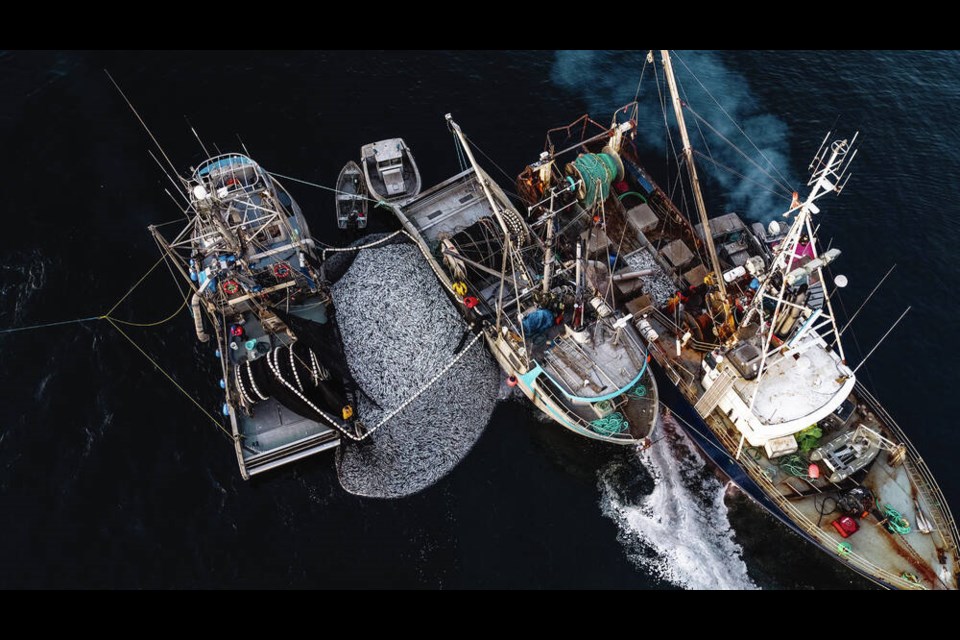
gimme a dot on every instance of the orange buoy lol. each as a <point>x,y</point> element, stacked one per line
<point>813,471</point>
<point>512,381</point>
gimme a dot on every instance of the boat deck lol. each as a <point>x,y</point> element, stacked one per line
<point>390,170</point>
<point>812,505</point>
<point>911,560</point>
<point>449,207</point>
<point>273,433</point>
<point>606,364</point>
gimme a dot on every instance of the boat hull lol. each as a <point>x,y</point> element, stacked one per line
<point>702,435</point>
<point>557,412</point>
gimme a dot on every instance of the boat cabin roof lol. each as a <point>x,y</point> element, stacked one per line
<point>806,385</point>
<point>387,150</point>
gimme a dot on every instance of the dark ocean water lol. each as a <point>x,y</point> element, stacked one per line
<point>110,478</point>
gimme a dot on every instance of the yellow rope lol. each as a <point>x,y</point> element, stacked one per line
<point>151,324</point>
<point>169,377</point>
<point>144,277</point>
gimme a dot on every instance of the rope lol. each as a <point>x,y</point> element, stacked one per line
<point>632,193</point>
<point>427,386</point>
<point>127,294</point>
<point>51,324</point>
<point>730,118</point>
<point>363,246</point>
<point>739,175</point>
<point>639,391</point>
<point>169,377</point>
<point>794,464</point>
<point>151,324</point>
<point>510,178</point>
<point>611,425</point>
<point>894,521</point>
<point>738,150</point>
<point>318,186</point>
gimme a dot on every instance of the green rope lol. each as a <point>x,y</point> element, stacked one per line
<point>639,391</point>
<point>632,193</point>
<point>597,170</point>
<point>896,523</point>
<point>794,464</point>
<point>611,425</point>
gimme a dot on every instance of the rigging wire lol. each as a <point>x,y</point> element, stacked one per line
<point>170,378</point>
<point>738,174</point>
<point>730,118</point>
<point>753,162</point>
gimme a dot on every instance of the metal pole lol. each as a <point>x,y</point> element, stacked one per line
<point>694,180</point>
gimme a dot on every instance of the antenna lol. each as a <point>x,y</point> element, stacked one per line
<point>882,339</point>
<point>194,132</point>
<point>865,301</point>
<point>176,202</point>
<point>169,177</point>
<point>142,123</point>
<point>243,146</point>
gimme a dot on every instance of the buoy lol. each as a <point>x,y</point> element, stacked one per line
<point>813,471</point>
<point>460,288</point>
<point>236,330</point>
<point>470,302</point>
<point>512,381</point>
<point>223,384</point>
<point>230,287</point>
<point>226,409</point>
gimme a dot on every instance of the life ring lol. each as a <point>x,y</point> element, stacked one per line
<point>230,287</point>
<point>281,270</point>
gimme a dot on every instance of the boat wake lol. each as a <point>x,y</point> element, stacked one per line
<point>679,531</point>
<point>399,330</point>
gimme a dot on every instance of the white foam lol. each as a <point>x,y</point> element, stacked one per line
<point>680,531</point>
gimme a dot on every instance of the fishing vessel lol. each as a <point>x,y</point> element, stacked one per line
<point>740,322</point>
<point>551,325</point>
<point>352,197</point>
<point>390,171</point>
<point>255,287</point>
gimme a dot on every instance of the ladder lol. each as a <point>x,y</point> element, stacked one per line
<point>709,400</point>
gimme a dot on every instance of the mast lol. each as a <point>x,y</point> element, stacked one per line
<point>482,179</point>
<point>694,180</point>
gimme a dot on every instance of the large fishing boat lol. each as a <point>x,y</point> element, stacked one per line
<point>256,288</point>
<point>740,321</point>
<point>551,325</point>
